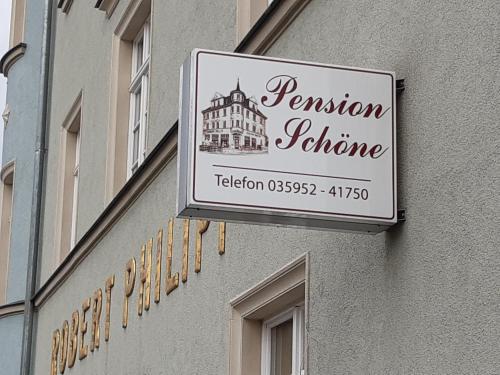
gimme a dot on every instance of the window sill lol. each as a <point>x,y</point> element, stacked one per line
<point>10,57</point>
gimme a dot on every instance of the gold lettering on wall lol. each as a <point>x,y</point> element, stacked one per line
<point>145,277</point>
<point>140,300</point>
<point>70,339</point>
<point>128,289</point>
<point>63,347</point>
<point>185,251</point>
<point>96,319</point>
<point>172,282</point>
<point>73,338</point>
<point>159,240</point>
<point>110,283</point>
<point>55,348</point>
<point>222,238</point>
<point>201,228</point>
<point>83,329</point>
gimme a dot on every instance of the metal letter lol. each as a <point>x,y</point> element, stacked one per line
<point>185,251</point>
<point>63,346</point>
<point>73,338</point>
<point>96,319</point>
<point>83,329</point>
<point>172,282</point>
<point>202,228</point>
<point>128,289</point>
<point>110,283</point>
<point>55,349</point>
<point>145,287</point>
<point>159,244</point>
<point>222,238</point>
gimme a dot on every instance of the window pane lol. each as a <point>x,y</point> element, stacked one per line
<point>135,151</point>
<point>281,348</point>
<point>137,109</point>
<point>139,53</point>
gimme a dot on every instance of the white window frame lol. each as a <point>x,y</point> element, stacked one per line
<point>139,82</point>
<point>296,314</point>
<point>76,177</point>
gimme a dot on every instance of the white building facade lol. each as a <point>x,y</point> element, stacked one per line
<point>234,123</point>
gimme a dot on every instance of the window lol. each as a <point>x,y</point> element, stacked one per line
<point>128,89</point>
<point>7,177</point>
<point>76,173</point>
<point>139,100</point>
<point>66,228</point>
<point>267,334</point>
<point>282,341</point>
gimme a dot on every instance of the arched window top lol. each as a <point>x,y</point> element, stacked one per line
<point>7,173</point>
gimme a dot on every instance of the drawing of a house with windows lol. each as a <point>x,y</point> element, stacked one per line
<point>234,124</point>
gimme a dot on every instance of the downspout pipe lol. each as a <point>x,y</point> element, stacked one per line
<point>36,205</point>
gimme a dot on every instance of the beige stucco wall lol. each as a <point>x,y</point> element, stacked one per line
<point>420,299</point>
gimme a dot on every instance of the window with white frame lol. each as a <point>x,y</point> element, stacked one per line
<point>76,173</point>
<point>67,211</point>
<point>6,202</point>
<point>283,343</point>
<point>139,99</point>
<point>267,329</point>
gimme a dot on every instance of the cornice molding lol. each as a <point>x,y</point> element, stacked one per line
<point>154,163</point>
<point>10,309</point>
<point>107,6</point>
<point>7,171</point>
<point>10,57</point>
<point>65,5</point>
<point>269,27</point>
<point>276,19</point>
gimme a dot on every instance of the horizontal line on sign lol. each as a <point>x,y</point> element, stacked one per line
<point>288,172</point>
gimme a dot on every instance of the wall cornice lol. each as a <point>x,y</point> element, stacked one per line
<point>14,308</point>
<point>154,163</point>
<point>10,57</point>
<point>269,27</point>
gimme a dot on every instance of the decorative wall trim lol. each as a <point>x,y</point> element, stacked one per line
<point>6,115</point>
<point>278,292</point>
<point>10,57</point>
<point>65,5</point>
<point>10,309</point>
<point>269,27</point>
<point>155,162</point>
<point>7,171</point>
<point>259,39</point>
<point>107,6</point>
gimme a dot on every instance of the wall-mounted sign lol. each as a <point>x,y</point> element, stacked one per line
<point>267,140</point>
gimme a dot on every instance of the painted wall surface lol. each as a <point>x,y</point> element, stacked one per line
<point>82,61</point>
<point>11,329</point>
<point>422,298</point>
<point>19,145</point>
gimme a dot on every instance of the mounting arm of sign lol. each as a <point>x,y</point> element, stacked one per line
<point>400,87</point>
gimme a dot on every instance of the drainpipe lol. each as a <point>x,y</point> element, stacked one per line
<point>31,276</point>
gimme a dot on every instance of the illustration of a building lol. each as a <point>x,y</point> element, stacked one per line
<point>234,124</point>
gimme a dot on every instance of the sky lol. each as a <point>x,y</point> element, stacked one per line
<point>4,46</point>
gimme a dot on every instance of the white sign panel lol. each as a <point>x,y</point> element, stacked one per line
<point>267,140</point>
